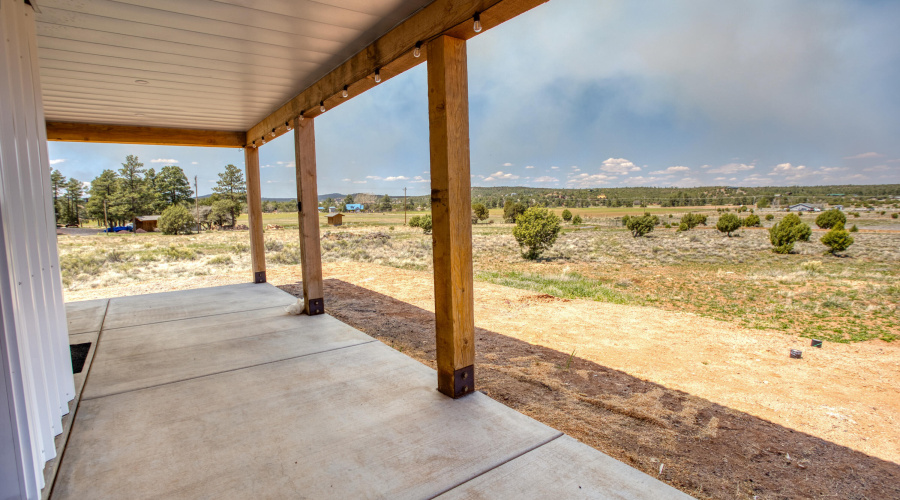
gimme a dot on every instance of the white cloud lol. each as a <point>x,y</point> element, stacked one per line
<point>783,168</point>
<point>345,180</point>
<point>507,164</point>
<point>373,177</point>
<point>500,175</point>
<point>730,168</point>
<point>894,161</point>
<point>532,166</point>
<point>619,166</point>
<point>419,178</point>
<point>397,178</point>
<point>554,168</point>
<point>546,179</point>
<point>671,170</point>
<point>163,160</point>
<point>58,161</point>
<point>360,182</point>
<point>195,163</point>
<point>585,180</point>
<point>86,184</point>
<point>862,156</point>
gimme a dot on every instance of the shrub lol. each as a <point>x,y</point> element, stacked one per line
<point>511,210</point>
<point>691,220</point>
<point>576,220</point>
<point>829,218</point>
<point>639,226</point>
<point>770,217</point>
<point>763,203</point>
<point>784,234</point>
<point>854,229</point>
<point>480,212</point>
<point>536,230</point>
<point>751,221</point>
<point>894,215</point>
<point>837,240</point>
<point>566,215</point>
<point>422,221</point>
<point>176,220</point>
<point>728,224</point>
<point>742,208</point>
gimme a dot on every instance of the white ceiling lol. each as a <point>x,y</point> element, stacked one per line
<point>208,64</point>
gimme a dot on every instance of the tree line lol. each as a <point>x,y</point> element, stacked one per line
<point>116,197</point>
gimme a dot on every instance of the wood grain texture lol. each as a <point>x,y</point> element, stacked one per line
<point>451,207</point>
<point>307,195</point>
<point>254,212</point>
<point>392,53</point>
<point>127,134</point>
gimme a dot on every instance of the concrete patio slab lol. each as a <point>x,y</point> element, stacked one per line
<point>171,306</point>
<point>86,315</point>
<point>564,468</point>
<point>359,422</point>
<point>149,355</point>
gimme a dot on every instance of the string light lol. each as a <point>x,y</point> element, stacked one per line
<point>301,116</point>
<point>344,92</point>
<point>322,106</point>
<point>378,76</point>
<point>262,139</point>
<point>273,132</point>
<point>418,50</point>
<point>477,26</point>
<point>287,126</point>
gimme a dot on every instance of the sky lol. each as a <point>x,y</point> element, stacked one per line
<point>582,93</point>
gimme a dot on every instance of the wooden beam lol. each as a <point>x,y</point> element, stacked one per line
<point>308,215</point>
<point>392,55</point>
<point>254,215</point>
<point>127,134</point>
<point>451,209</point>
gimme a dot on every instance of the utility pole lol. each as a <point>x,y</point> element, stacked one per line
<point>197,203</point>
<point>404,206</point>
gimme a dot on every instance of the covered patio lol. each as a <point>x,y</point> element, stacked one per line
<point>185,399</point>
<point>186,394</point>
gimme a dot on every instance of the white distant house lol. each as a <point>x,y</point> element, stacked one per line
<point>805,207</point>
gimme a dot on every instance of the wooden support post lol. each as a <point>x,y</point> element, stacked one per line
<point>254,215</point>
<point>451,207</point>
<point>308,215</point>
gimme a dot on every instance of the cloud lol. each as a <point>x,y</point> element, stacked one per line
<point>586,180</point>
<point>500,176</point>
<point>373,177</point>
<point>554,168</point>
<point>419,178</point>
<point>783,168</point>
<point>345,180</point>
<point>163,160</point>
<point>58,161</point>
<point>360,182</point>
<point>195,163</point>
<point>619,166</point>
<point>507,164</point>
<point>863,156</point>
<point>671,170</point>
<point>529,166</point>
<point>546,179</point>
<point>730,168</point>
<point>397,178</point>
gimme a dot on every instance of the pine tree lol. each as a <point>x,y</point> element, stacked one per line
<point>57,185</point>
<point>74,195</point>
<point>131,196</point>
<point>173,186</point>
<point>232,188</point>
<point>103,190</point>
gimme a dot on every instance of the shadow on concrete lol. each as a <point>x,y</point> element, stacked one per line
<point>700,447</point>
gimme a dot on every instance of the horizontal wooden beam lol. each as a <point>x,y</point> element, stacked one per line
<point>391,54</point>
<point>128,134</point>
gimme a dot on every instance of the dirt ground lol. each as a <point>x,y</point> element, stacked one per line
<point>711,408</point>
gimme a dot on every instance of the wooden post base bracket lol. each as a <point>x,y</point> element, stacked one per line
<point>316,306</point>
<point>462,384</point>
<point>259,277</point>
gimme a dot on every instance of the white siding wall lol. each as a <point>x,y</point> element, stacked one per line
<point>33,337</point>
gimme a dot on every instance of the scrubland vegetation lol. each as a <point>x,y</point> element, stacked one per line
<point>701,270</point>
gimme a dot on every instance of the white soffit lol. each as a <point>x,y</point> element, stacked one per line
<point>207,64</point>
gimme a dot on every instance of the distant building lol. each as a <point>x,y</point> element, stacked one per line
<point>839,207</point>
<point>335,219</point>
<point>354,207</point>
<point>805,207</point>
<point>146,222</point>
<point>332,210</point>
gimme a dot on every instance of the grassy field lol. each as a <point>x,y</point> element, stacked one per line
<point>738,279</point>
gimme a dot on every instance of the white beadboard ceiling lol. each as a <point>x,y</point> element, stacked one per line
<point>208,64</point>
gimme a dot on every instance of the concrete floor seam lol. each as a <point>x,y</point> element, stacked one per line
<point>192,317</point>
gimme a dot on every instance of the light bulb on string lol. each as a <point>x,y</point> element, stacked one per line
<point>273,133</point>
<point>344,92</point>
<point>477,26</point>
<point>377,76</point>
<point>418,50</point>
<point>301,117</point>
<point>322,106</point>
<point>262,139</point>
<point>287,126</point>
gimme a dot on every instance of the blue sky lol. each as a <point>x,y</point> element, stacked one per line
<point>581,93</point>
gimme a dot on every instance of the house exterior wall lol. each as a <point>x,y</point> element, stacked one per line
<point>34,353</point>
